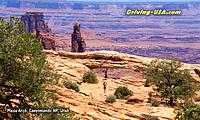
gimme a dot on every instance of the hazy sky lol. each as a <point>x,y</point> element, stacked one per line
<point>125,0</point>
<point>137,0</point>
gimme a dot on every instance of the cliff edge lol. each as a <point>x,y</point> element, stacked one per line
<point>123,70</point>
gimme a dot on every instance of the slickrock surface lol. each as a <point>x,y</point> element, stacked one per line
<point>90,103</point>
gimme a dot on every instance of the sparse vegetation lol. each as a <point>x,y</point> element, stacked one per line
<point>71,85</point>
<point>146,84</point>
<point>171,81</point>
<point>110,99</point>
<point>155,102</point>
<point>190,111</point>
<point>90,77</point>
<point>24,71</point>
<point>123,92</point>
<point>150,94</point>
<point>21,65</point>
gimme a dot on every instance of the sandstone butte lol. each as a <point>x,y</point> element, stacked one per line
<point>89,103</point>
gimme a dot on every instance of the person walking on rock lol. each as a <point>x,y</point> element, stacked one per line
<point>106,73</point>
<point>104,86</point>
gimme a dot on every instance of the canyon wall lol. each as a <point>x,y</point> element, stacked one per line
<point>34,23</point>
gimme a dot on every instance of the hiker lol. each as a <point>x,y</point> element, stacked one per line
<point>104,86</point>
<point>105,73</point>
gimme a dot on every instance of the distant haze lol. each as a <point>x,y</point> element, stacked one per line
<point>104,26</point>
<point>126,0</point>
<point>137,0</point>
<point>105,0</point>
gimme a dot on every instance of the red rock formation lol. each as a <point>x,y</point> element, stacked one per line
<point>78,44</point>
<point>34,22</point>
<point>46,39</point>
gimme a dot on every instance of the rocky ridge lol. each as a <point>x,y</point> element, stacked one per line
<point>90,103</point>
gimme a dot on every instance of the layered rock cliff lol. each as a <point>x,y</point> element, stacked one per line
<point>123,70</point>
<point>34,21</point>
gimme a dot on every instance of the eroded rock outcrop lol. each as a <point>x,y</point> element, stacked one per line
<point>90,103</point>
<point>46,39</point>
<point>111,59</point>
<point>78,44</point>
<point>34,23</point>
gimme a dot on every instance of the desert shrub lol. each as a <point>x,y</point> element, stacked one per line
<point>21,66</point>
<point>149,117</point>
<point>150,94</point>
<point>90,77</point>
<point>123,92</point>
<point>23,70</point>
<point>71,85</point>
<point>190,111</point>
<point>110,99</point>
<point>146,84</point>
<point>171,81</point>
<point>155,102</point>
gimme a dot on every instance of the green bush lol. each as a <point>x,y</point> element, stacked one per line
<point>155,102</point>
<point>90,77</point>
<point>110,99</point>
<point>71,85</point>
<point>23,71</point>
<point>190,111</point>
<point>22,64</point>
<point>172,82</point>
<point>146,84</point>
<point>123,92</point>
<point>149,117</point>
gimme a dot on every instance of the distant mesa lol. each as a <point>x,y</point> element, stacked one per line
<point>78,44</point>
<point>34,23</point>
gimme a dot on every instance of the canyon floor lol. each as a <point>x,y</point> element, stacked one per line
<point>104,26</point>
<point>123,70</point>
